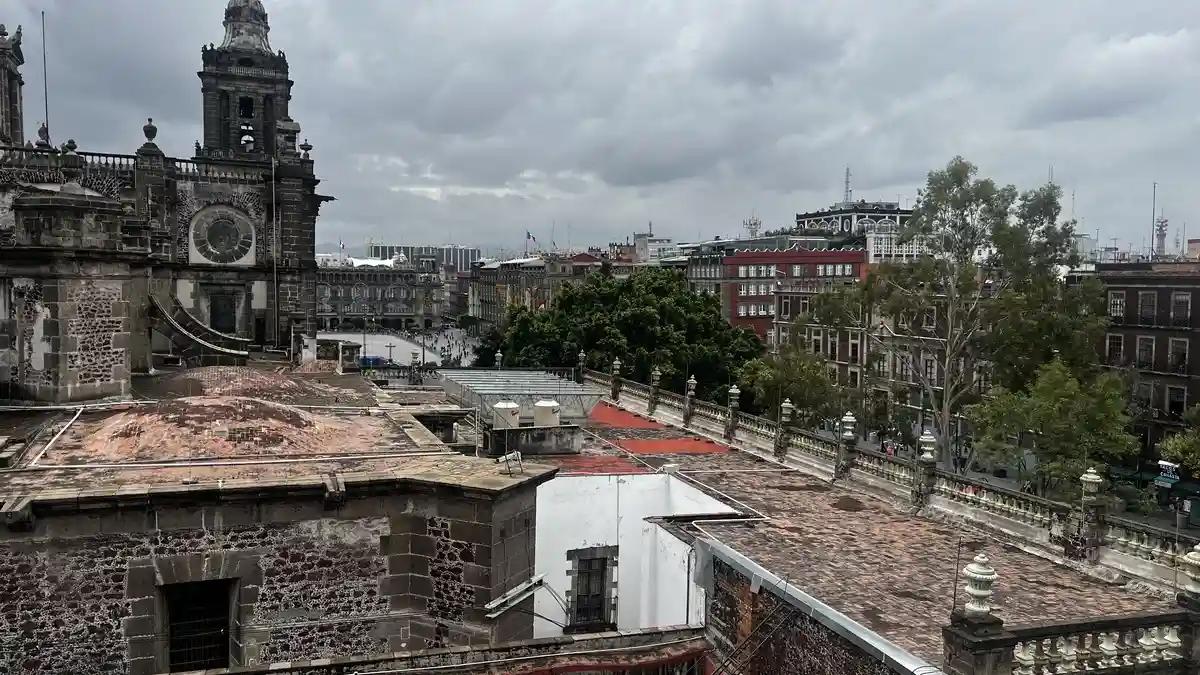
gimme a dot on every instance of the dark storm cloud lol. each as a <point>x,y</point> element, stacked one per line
<point>468,121</point>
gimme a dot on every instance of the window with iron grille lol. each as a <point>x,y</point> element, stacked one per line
<point>590,591</point>
<point>1116,304</point>
<point>1181,308</point>
<point>591,600</point>
<point>1114,349</point>
<point>198,624</point>
<point>1178,355</point>
<point>1176,401</point>
<point>1145,352</point>
<point>1147,306</point>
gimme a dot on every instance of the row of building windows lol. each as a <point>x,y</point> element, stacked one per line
<point>754,289</point>
<point>756,309</point>
<point>745,271</point>
<point>1143,356</point>
<point>1147,305</point>
<point>800,270</point>
<point>369,292</point>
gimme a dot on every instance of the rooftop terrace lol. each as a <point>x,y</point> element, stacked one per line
<point>237,428</point>
<point>890,571</point>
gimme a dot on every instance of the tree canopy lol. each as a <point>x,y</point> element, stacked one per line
<point>1184,447</point>
<point>1057,429</point>
<point>797,374</point>
<point>990,291</point>
<point>652,318</point>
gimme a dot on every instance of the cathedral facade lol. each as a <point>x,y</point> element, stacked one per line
<point>109,259</point>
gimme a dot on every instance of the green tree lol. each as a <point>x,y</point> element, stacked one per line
<point>992,252</point>
<point>652,318</point>
<point>796,374</point>
<point>1057,429</point>
<point>1184,447</point>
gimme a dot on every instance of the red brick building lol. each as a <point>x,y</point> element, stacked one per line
<point>753,279</point>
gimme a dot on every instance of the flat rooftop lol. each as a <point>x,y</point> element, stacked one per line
<point>239,427</point>
<point>890,571</point>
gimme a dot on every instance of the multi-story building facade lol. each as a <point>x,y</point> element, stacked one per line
<point>381,295</point>
<point>881,224</point>
<point>1154,331</point>
<point>451,257</point>
<point>755,279</point>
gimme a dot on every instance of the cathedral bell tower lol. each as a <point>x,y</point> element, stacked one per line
<point>11,59</point>
<point>246,90</point>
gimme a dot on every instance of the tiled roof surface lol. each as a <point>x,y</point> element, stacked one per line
<point>893,572</point>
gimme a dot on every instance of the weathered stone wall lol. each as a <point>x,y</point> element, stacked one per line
<point>83,593</point>
<point>798,645</point>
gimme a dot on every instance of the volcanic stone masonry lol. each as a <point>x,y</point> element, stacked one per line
<point>800,645</point>
<point>84,592</point>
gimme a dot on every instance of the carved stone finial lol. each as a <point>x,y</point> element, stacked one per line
<point>926,443</point>
<point>149,130</point>
<point>980,579</point>
<point>70,146</point>
<point>849,425</point>
<point>3,31</point>
<point>306,146</point>
<point>786,410</point>
<point>43,136</point>
<point>1191,567</point>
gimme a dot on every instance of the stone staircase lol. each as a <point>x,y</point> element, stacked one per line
<point>192,339</point>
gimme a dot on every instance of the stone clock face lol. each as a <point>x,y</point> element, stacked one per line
<point>222,235</point>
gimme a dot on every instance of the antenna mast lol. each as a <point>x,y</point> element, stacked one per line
<point>1153,210</point>
<point>45,76</point>
<point>847,193</point>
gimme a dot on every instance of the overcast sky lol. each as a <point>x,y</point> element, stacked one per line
<point>470,122</point>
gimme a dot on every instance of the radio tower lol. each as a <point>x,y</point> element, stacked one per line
<point>752,225</point>
<point>1160,236</point>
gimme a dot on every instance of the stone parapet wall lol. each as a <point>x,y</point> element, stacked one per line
<point>754,629</point>
<point>83,592</point>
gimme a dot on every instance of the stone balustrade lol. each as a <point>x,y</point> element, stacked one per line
<point>711,411</point>
<point>670,399</point>
<point>759,426</point>
<point>814,445</point>
<point>1041,521</point>
<point>636,389</point>
<point>1150,643</point>
<point>1009,503</point>
<point>888,468</point>
<point>1147,542</point>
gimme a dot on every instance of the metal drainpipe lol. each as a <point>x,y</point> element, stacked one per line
<point>275,256</point>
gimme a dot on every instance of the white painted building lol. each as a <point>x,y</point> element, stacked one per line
<point>597,526</point>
